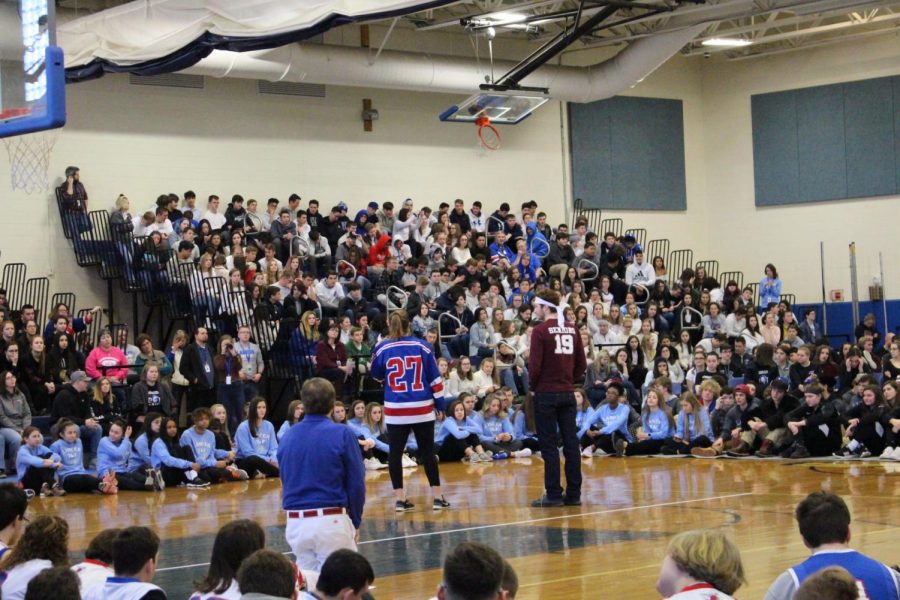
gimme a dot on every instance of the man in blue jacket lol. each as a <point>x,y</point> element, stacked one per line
<point>322,479</point>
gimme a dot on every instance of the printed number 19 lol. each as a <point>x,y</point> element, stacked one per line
<point>564,344</point>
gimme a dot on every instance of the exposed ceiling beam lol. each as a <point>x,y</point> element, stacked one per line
<point>816,44</point>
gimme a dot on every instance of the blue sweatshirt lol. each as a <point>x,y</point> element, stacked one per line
<point>363,430</point>
<point>705,427</point>
<point>264,445</point>
<point>494,426</point>
<point>33,457</point>
<point>613,420</point>
<point>140,453</point>
<point>583,415</point>
<point>204,447</point>
<point>521,432</point>
<point>321,467</point>
<point>71,456</point>
<point>283,429</point>
<point>160,455</point>
<point>456,429</point>
<point>656,425</point>
<point>113,456</point>
<point>475,419</point>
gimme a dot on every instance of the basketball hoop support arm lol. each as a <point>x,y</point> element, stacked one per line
<point>565,38</point>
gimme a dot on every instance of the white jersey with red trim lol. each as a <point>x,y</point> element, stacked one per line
<point>411,379</point>
<point>700,591</point>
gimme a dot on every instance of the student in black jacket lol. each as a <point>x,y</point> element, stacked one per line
<point>197,367</point>
<point>771,426</point>
<point>73,403</point>
<point>865,425</point>
<point>815,425</point>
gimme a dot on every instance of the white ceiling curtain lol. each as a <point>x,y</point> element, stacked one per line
<point>147,30</point>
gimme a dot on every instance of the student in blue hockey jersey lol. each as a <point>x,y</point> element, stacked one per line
<point>612,419</point>
<point>497,434</point>
<point>36,465</point>
<point>692,427</point>
<point>458,437</point>
<point>824,522</point>
<point>256,443</point>
<point>176,463</point>
<point>657,427</point>
<point>113,457</point>
<point>411,379</point>
<point>524,426</point>
<point>72,473</point>
<point>140,450</point>
<point>294,416</point>
<point>202,443</point>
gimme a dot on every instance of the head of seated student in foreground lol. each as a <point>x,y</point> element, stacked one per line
<point>345,575</point>
<point>832,583</point>
<point>58,582</point>
<point>701,556</point>
<point>474,571</point>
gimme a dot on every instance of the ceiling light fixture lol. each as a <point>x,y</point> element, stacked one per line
<point>726,43</point>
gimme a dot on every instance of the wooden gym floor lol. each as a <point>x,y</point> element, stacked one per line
<point>611,546</point>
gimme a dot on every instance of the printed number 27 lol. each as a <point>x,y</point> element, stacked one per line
<point>396,373</point>
<point>564,344</point>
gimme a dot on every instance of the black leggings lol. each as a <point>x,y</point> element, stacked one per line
<point>675,447</point>
<point>397,436</point>
<point>645,447</point>
<point>454,449</point>
<point>255,464</point>
<point>497,447</point>
<point>81,483</point>
<point>133,480</point>
<point>36,477</point>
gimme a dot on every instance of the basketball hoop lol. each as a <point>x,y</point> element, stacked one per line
<point>488,134</point>
<point>29,160</point>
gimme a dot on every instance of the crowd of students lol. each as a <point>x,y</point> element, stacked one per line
<point>122,563</point>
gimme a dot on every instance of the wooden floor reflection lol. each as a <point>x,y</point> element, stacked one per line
<point>611,546</point>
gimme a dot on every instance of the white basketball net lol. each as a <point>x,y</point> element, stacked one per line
<point>29,160</point>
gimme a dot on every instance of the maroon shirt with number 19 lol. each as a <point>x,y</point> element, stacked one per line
<point>557,357</point>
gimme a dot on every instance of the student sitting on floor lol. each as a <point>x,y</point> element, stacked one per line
<point>202,442</point>
<point>815,425</point>
<point>175,462</point>
<point>294,416</point>
<point>614,418</point>
<point>113,459</point>
<point>458,437</point>
<point>736,435</point>
<point>140,451</point>
<point>44,544</point>
<point>72,473</point>
<point>234,543</point>
<point>770,427</point>
<point>524,425</point>
<point>37,465</point>
<point>865,426</point>
<point>256,443</point>
<point>692,428</point>
<point>372,430</point>
<point>497,434</point>
<point>657,428</point>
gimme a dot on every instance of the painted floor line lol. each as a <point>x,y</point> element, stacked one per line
<point>511,523</point>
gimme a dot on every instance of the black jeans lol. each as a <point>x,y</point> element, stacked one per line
<point>35,477</point>
<point>397,436</point>
<point>256,464</point>
<point>552,410</point>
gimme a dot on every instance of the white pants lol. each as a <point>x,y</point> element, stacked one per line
<point>313,539</point>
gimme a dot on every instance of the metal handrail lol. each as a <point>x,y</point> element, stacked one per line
<point>593,267</point>
<point>646,293</point>
<point>540,241</point>
<point>443,316</point>
<point>349,264</point>
<point>399,291</point>
<point>300,242</point>
<point>690,327</point>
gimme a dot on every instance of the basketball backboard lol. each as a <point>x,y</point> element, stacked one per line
<point>499,107</point>
<point>32,73</point>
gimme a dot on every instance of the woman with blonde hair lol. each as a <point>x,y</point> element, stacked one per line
<point>411,379</point>
<point>703,564</point>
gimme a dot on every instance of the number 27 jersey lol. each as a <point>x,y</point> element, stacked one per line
<point>411,379</point>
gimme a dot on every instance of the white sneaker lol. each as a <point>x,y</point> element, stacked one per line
<point>522,453</point>
<point>896,454</point>
<point>371,464</point>
<point>587,452</point>
<point>408,463</point>
<point>887,452</point>
<point>600,452</point>
<point>191,475</point>
<point>473,458</point>
<point>380,464</point>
